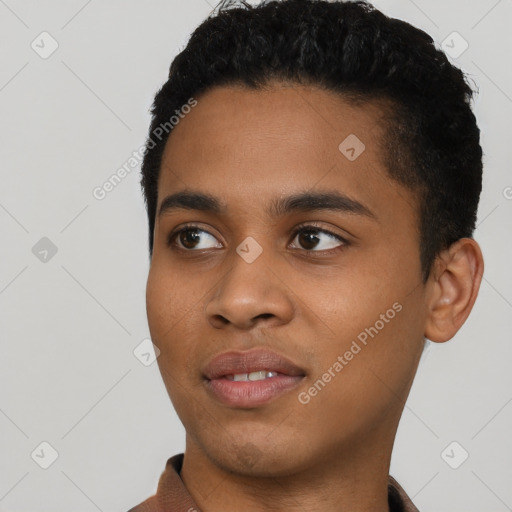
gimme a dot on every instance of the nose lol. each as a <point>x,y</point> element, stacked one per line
<point>251,294</point>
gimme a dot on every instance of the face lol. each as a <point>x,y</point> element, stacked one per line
<point>329,280</point>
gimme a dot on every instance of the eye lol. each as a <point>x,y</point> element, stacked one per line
<point>192,237</point>
<point>309,237</point>
<point>189,238</point>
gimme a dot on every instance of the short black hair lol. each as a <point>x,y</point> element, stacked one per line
<point>431,143</point>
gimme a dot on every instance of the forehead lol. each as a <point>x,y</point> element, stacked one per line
<point>295,122</point>
<point>241,144</point>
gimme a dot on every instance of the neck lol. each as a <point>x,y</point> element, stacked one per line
<point>352,480</point>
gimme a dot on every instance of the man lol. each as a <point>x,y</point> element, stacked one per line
<point>312,178</point>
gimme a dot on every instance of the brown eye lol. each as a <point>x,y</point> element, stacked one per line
<point>308,239</point>
<point>191,238</point>
<point>311,237</point>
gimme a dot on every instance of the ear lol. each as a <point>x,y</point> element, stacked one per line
<point>453,288</point>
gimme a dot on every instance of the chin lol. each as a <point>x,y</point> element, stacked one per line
<point>257,460</point>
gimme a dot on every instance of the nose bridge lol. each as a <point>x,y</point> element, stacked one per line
<point>251,288</point>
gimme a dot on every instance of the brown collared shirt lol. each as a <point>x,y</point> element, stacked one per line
<point>172,495</point>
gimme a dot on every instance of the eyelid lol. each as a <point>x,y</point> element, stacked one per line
<point>318,226</point>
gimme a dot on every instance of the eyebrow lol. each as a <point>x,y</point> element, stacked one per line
<point>299,202</point>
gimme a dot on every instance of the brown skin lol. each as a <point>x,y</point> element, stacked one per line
<point>247,147</point>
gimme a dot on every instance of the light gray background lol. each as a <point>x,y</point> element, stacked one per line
<point>69,326</point>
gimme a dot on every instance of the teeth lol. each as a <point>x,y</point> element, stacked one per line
<point>258,375</point>
<point>253,376</point>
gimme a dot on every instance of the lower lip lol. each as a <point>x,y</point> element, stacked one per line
<point>252,393</point>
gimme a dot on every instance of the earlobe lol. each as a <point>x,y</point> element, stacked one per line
<point>455,282</point>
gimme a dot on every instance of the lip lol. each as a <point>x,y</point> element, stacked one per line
<point>247,394</point>
<point>233,362</point>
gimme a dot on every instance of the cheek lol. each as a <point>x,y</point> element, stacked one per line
<point>166,300</point>
<point>172,318</point>
<point>375,317</point>
<point>353,304</point>
<point>365,385</point>
<point>393,343</point>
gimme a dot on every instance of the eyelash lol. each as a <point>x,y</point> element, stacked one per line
<point>301,229</point>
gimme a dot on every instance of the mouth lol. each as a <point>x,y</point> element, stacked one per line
<point>251,379</point>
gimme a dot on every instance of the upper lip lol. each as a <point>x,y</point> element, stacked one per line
<point>233,362</point>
